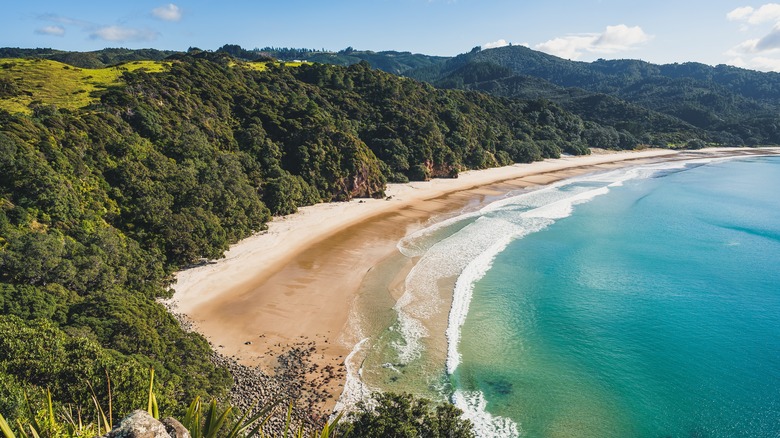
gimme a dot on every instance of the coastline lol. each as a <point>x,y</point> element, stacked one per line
<point>295,284</point>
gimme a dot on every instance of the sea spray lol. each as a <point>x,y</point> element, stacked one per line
<point>447,258</point>
<point>474,407</point>
<point>355,390</point>
<point>419,242</point>
<point>464,287</point>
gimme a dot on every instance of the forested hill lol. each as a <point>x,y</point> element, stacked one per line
<point>390,61</point>
<point>732,105</point>
<point>635,101</point>
<point>112,179</point>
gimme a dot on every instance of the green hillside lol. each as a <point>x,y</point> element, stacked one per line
<point>105,193</point>
<point>31,82</point>
<point>643,125</point>
<point>725,105</point>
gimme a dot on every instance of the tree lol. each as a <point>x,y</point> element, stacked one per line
<point>8,88</point>
<point>404,416</point>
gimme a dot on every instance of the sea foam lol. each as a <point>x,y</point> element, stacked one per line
<point>355,390</point>
<point>473,405</point>
<point>526,222</point>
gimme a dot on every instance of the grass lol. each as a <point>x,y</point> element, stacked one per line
<point>262,66</point>
<point>55,83</point>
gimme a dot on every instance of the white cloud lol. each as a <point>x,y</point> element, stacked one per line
<point>500,43</point>
<point>756,53</point>
<point>614,39</point>
<point>761,63</point>
<point>96,31</point>
<point>569,47</point>
<point>765,64</point>
<point>119,34</point>
<point>169,12</point>
<point>748,46</point>
<point>66,21</point>
<point>740,14</point>
<point>767,13</point>
<point>619,38</point>
<point>51,30</point>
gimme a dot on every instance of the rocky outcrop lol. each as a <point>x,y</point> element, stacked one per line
<point>139,424</point>
<point>441,170</point>
<point>175,429</point>
<point>362,175</point>
<point>366,183</point>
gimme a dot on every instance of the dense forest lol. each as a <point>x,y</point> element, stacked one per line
<point>723,104</point>
<point>101,204</point>
<point>640,102</point>
<point>636,102</point>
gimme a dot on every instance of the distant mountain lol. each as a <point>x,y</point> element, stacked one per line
<point>389,61</point>
<point>730,105</point>
<point>601,108</point>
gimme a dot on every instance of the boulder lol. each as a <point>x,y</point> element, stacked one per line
<point>175,429</point>
<point>139,424</point>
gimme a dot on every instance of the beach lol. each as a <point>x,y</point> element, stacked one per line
<point>295,285</point>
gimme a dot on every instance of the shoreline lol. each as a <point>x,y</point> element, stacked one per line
<point>297,282</point>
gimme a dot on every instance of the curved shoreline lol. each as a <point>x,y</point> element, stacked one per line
<point>473,401</point>
<point>296,282</point>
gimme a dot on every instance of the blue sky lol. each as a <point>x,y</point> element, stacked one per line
<point>662,31</point>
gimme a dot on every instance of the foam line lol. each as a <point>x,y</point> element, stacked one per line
<point>473,405</point>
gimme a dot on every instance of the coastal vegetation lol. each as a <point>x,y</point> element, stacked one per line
<point>636,102</point>
<point>29,82</point>
<point>114,177</point>
<point>723,104</point>
<point>105,193</point>
<point>384,415</point>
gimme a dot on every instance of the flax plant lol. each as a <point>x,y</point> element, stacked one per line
<point>200,420</point>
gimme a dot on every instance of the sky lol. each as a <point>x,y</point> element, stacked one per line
<point>713,32</point>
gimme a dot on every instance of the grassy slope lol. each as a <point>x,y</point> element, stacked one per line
<point>55,83</point>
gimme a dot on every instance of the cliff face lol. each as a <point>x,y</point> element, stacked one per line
<point>444,170</point>
<point>359,167</point>
<point>366,183</point>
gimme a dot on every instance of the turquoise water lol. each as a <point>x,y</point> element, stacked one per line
<point>650,310</point>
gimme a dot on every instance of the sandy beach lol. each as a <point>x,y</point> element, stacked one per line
<point>295,283</point>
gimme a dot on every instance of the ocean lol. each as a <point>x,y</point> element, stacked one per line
<point>639,302</point>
